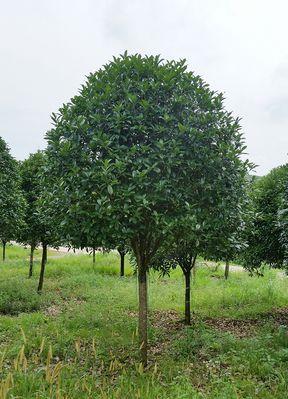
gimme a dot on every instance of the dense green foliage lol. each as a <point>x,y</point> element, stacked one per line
<point>41,221</point>
<point>144,146</point>
<point>283,224</point>
<point>12,203</point>
<point>31,171</point>
<point>142,141</point>
<point>264,231</point>
<point>80,341</point>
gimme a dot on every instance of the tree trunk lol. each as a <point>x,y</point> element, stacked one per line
<point>43,263</point>
<point>94,256</point>
<point>226,269</point>
<point>31,260</point>
<point>45,254</point>
<point>143,313</point>
<point>122,263</point>
<point>187,298</point>
<point>4,250</point>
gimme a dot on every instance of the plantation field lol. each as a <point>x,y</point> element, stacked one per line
<point>79,338</point>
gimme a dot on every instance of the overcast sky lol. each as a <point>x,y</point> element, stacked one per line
<point>238,46</point>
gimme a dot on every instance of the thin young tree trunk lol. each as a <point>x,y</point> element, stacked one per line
<point>94,256</point>
<point>4,250</point>
<point>187,298</point>
<point>43,263</point>
<point>226,269</point>
<point>143,313</point>
<point>46,254</point>
<point>32,248</point>
<point>122,263</point>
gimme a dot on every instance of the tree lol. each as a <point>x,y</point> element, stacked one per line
<point>228,227</point>
<point>263,233</point>
<point>215,236</point>
<point>144,142</point>
<point>30,171</point>
<point>12,203</point>
<point>180,248</point>
<point>49,221</point>
<point>283,224</point>
<point>42,224</point>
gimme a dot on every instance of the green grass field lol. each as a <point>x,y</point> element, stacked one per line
<point>79,338</point>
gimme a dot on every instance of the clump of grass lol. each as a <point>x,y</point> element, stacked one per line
<point>19,295</point>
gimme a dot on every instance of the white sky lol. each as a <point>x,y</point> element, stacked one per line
<point>238,46</point>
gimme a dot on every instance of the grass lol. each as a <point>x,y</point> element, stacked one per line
<point>79,338</point>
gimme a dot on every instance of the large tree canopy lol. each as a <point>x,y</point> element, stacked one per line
<point>145,143</point>
<point>12,203</point>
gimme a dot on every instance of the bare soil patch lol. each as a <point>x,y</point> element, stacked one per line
<point>242,328</point>
<point>52,311</point>
<point>169,326</point>
<point>170,322</point>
